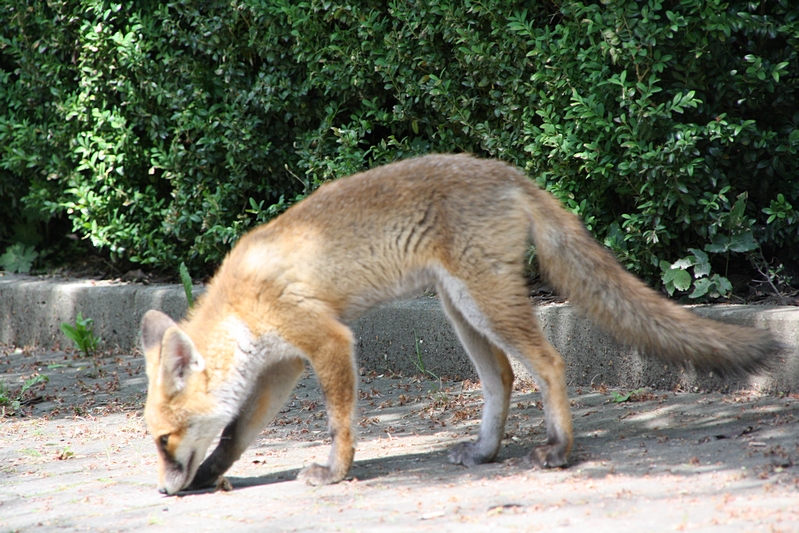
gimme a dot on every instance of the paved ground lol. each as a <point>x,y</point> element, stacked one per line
<point>74,456</point>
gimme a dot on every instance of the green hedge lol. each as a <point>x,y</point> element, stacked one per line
<point>162,131</point>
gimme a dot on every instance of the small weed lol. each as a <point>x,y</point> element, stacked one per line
<point>676,276</point>
<point>30,452</point>
<point>185,278</point>
<point>10,402</point>
<point>82,334</point>
<point>5,396</point>
<point>626,397</point>
<point>774,277</point>
<point>65,454</point>
<point>18,258</point>
<point>419,364</point>
<point>30,382</point>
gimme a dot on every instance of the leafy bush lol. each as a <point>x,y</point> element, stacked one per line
<point>162,131</point>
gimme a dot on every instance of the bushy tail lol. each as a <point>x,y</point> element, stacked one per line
<point>594,281</point>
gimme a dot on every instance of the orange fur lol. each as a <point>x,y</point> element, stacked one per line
<point>287,289</point>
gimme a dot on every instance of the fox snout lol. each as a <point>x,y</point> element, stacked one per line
<point>175,476</point>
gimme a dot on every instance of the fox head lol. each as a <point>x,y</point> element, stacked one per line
<point>180,414</point>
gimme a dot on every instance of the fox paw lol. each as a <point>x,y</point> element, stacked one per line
<point>223,484</point>
<point>548,456</point>
<point>468,454</point>
<point>317,474</point>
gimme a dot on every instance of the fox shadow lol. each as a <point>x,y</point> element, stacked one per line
<point>429,467</point>
<point>681,435</point>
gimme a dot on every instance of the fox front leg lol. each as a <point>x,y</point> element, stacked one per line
<point>210,472</point>
<point>332,359</point>
<point>272,389</point>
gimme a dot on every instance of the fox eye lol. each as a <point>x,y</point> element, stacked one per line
<point>163,441</point>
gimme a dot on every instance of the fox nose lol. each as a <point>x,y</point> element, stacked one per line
<point>162,490</point>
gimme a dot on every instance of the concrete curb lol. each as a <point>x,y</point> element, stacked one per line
<point>404,337</point>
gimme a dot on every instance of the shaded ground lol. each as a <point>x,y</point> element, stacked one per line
<point>74,456</point>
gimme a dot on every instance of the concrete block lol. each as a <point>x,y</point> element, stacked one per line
<point>387,342</point>
<point>32,309</point>
<point>406,337</point>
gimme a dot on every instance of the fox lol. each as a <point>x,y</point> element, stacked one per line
<point>284,294</point>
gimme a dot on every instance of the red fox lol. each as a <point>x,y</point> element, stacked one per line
<point>286,291</point>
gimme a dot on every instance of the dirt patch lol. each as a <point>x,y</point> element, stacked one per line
<point>75,456</point>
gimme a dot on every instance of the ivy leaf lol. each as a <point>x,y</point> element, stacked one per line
<point>681,279</point>
<point>701,287</point>
<point>737,211</point>
<point>701,257</point>
<point>682,264</point>
<point>720,244</point>
<point>723,285</point>
<point>743,242</point>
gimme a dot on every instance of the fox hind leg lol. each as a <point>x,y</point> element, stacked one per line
<point>505,318</point>
<point>546,364</point>
<point>496,376</point>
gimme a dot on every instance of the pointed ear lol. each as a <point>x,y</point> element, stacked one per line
<point>179,360</point>
<point>153,325</point>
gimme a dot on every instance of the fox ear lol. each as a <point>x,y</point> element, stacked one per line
<point>179,359</point>
<point>153,326</point>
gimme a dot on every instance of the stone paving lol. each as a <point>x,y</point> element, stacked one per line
<point>74,456</point>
